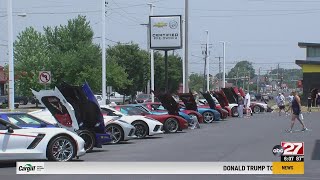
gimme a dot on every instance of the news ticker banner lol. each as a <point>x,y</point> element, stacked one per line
<point>160,168</point>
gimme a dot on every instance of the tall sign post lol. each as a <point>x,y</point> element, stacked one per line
<point>165,34</point>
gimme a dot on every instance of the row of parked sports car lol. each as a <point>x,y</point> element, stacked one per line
<point>73,122</point>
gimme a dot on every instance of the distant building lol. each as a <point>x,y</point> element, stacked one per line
<point>311,70</point>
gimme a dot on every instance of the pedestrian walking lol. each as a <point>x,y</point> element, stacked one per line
<point>290,99</point>
<point>296,112</point>
<point>309,103</point>
<point>240,105</point>
<point>281,103</point>
<point>318,100</point>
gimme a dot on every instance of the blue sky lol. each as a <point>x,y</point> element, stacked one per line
<point>265,32</point>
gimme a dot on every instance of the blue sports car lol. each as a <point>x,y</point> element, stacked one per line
<point>209,115</point>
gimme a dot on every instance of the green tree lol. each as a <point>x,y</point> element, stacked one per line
<point>196,82</point>
<point>174,72</point>
<point>73,56</point>
<point>241,70</point>
<point>135,63</point>
<point>31,56</point>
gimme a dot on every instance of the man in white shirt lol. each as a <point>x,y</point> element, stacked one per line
<point>281,103</point>
<point>290,99</point>
<point>247,104</point>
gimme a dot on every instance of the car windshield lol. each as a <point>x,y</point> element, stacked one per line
<point>156,107</point>
<point>131,110</point>
<point>143,96</point>
<point>22,119</point>
<point>111,112</point>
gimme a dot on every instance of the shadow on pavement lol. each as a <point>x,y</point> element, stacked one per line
<point>316,151</point>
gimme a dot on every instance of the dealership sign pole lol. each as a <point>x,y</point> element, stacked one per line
<point>165,34</point>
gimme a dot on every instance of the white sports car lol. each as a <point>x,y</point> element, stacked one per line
<point>54,144</point>
<point>119,130</point>
<point>144,126</point>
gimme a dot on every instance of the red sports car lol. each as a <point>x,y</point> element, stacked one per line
<point>157,107</point>
<point>171,123</point>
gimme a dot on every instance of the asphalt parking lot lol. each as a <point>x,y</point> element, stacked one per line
<point>235,139</point>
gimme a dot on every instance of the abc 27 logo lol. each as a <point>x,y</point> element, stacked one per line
<point>289,151</point>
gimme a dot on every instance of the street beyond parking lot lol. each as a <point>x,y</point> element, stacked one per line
<point>236,139</point>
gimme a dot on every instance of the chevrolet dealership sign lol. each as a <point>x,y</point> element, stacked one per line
<point>165,32</point>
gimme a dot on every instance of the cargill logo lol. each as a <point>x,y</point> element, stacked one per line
<point>27,168</point>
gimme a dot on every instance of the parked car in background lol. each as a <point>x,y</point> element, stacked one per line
<point>118,98</point>
<point>143,98</point>
<point>4,102</point>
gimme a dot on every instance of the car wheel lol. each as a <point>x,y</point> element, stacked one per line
<point>256,109</point>
<point>89,139</point>
<point>115,132</point>
<point>16,105</point>
<point>21,102</point>
<point>208,117</point>
<point>171,125</point>
<point>61,148</point>
<point>141,129</point>
<point>234,112</point>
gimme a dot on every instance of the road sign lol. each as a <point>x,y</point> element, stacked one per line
<point>44,77</point>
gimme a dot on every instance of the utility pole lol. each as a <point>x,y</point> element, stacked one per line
<point>10,49</point>
<point>237,76</point>
<point>104,79</point>
<point>220,75</point>
<point>207,61</point>
<point>186,36</point>
<point>151,55</point>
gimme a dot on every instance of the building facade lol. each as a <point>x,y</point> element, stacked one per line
<point>311,70</point>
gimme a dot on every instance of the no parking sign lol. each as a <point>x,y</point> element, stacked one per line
<point>44,77</point>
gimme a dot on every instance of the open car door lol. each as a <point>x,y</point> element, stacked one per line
<point>59,107</point>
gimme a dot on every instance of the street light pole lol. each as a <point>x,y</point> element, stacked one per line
<point>151,54</point>
<point>10,49</point>
<point>186,30</point>
<point>224,66</point>
<point>104,79</point>
<point>207,60</point>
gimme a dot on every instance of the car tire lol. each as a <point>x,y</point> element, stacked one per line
<point>171,125</point>
<point>16,105</point>
<point>208,117</point>
<point>256,109</point>
<point>116,133</point>
<point>234,112</point>
<point>67,144</point>
<point>141,129</point>
<point>89,139</point>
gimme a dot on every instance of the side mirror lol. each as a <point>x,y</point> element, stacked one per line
<point>43,125</point>
<point>9,128</point>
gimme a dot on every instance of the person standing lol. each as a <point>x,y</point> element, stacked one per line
<point>318,100</point>
<point>240,105</point>
<point>281,103</point>
<point>290,99</point>
<point>296,111</point>
<point>247,104</point>
<point>309,102</point>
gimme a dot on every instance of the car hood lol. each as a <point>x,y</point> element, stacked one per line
<point>221,98</point>
<point>230,94</point>
<point>209,99</point>
<point>189,101</point>
<point>169,103</point>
